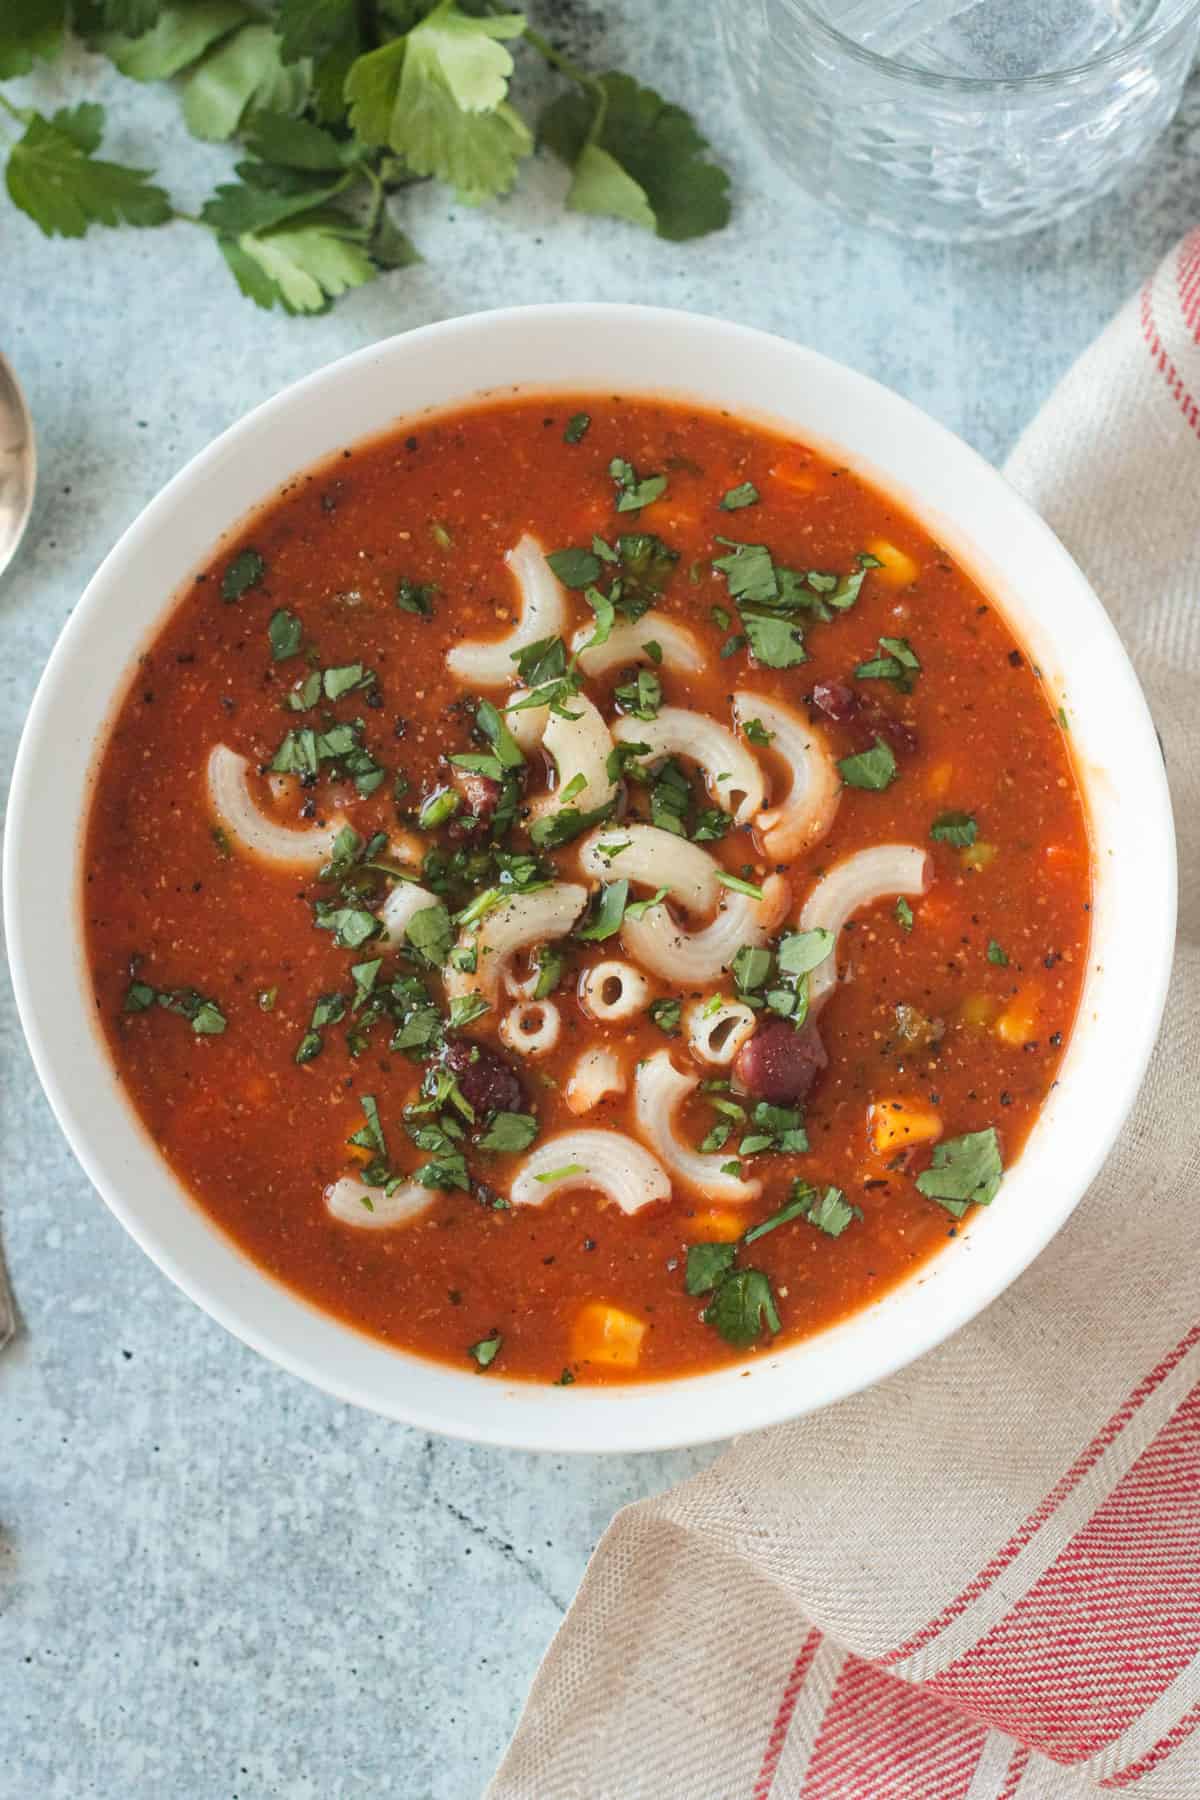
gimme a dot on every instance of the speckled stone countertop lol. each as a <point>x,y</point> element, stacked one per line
<point>214,1581</point>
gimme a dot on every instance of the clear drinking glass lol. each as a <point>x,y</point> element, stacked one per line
<point>959,119</point>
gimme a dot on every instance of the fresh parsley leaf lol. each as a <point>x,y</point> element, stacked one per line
<point>491,724</point>
<point>205,1016</point>
<point>465,1009</point>
<point>874,768</point>
<point>776,643</point>
<point>802,951</point>
<point>965,1171</point>
<point>364,975</point>
<point>707,1264</point>
<point>412,597</point>
<point>345,680</point>
<point>302,266</point>
<point>634,491</point>
<point>244,72</point>
<point>898,664</point>
<point>350,925</point>
<point>370,1136</point>
<point>577,426</point>
<point>636,157</point>
<point>313,27</point>
<point>795,1209</point>
<point>670,798</point>
<point>30,29</point>
<point>750,968</point>
<point>745,494</point>
<point>830,1212</point>
<point>438,96</point>
<point>139,997</point>
<point>55,177</point>
<point>243,573</point>
<point>285,633</point>
<point>550,964</point>
<point>755,732</point>
<point>904,914</point>
<point>637,909</point>
<point>997,954</point>
<point>646,566</point>
<point>606,913</point>
<point>438,808</point>
<point>667,1015</point>
<point>742,1306</point>
<point>711,825</point>
<point>749,571</point>
<point>558,828</point>
<point>430,934</point>
<point>641,697</point>
<point>737,885</point>
<point>574,568</point>
<point>958,828</point>
<point>606,615</point>
<point>178,37</point>
<point>486,1350</point>
<point>509,1132</point>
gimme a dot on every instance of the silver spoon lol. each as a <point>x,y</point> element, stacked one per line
<point>18,465</point>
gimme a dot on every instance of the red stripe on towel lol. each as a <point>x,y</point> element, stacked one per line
<point>884,1738</point>
<point>783,1718</point>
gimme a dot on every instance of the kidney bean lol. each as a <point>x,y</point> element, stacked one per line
<point>779,1063</point>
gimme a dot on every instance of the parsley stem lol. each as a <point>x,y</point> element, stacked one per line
<point>564,65</point>
<point>20,113</point>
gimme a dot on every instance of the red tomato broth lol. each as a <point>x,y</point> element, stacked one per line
<point>256,1138</point>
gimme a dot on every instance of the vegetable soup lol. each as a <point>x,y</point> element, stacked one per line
<point>587,890</point>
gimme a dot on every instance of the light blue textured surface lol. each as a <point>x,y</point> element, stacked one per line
<point>214,1582</point>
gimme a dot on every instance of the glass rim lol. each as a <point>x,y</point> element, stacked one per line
<point>1147,34</point>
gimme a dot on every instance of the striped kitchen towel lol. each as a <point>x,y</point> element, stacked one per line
<point>981,1580</point>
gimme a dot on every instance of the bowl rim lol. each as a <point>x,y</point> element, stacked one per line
<point>618,1423</point>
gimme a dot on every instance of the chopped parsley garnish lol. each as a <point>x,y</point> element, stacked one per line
<point>285,633</point>
<point>558,828</point>
<point>606,616</point>
<point>327,1011</point>
<point>904,914</point>
<point>829,1211</point>
<point>667,1015</point>
<point>509,1132</point>
<point>350,925</point>
<point>606,913</point>
<point>755,732</point>
<point>303,752</point>
<point>465,1009</point>
<point>646,564</point>
<point>745,494</point>
<point>802,951</point>
<point>749,571</point>
<point>439,808</point>
<point>566,1379</point>
<point>776,643</point>
<point>707,1264</point>
<point>711,825</point>
<point>721,618</point>
<point>414,597</point>
<point>364,976</point>
<point>874,768</point>
<point>637,909</point>
<point>370,1136</point>
<point>550,964</point>
<point>243,573</point>
<point>957,828</point>
<point>738,885</point>
<point>634,491</point>
<point>577,426</point>
<point>560,1174</point>
<point>431,934</point>
<point>204,1015</point>
<point>997,954</point>
<point>742,1306</point>
<point>486,1350</point>
<point>965,1171</point>
<point>897,663</point>
<point>777,1128</point>
<point>670,798</point>
<point>549,674</point>
<point>575,568</point>
<point>344,680</point>
<point>750,968</point>
<point>641,697</point>
<point>305,693</point>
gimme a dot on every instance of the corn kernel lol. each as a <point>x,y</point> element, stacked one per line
<point>978,1010</point>
<point>899,569</point>
<point>898,1124</point>
<point>604,1334</point>
<point>716,1224</point>
<point>1018,1023</point>
<point>979,855</point>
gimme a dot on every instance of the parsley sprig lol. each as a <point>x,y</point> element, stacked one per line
<point>336,107</point>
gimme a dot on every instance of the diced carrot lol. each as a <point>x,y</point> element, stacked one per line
<point>898,1124</point>
<point>979,854</point>
<point>801,481</point>
<point>978,1010</point>
<point>716,1224</point>
<point>899,569</point>
<point>1018,1023</point>
<point>939,778</point>
<point>602,1333</point>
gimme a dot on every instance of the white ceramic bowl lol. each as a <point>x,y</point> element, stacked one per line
<point>615,349</point>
